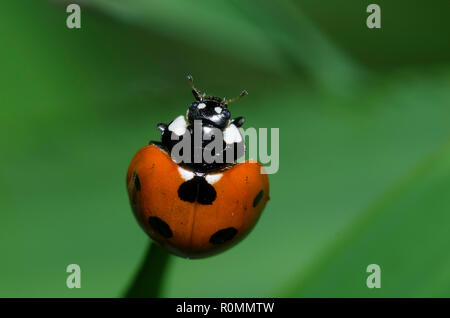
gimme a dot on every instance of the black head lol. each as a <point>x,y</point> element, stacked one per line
<point>210,109</point>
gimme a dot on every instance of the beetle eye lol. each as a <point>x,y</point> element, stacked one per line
<point>226,113</point>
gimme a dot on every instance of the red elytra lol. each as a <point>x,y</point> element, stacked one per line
<point>178,219</point>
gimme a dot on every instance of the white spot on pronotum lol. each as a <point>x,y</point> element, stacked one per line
<point>218,109</point>
<point>213,178</point>
<point>231,134</point>
<point>185,174</point>
<point>201,106</point>
<point>178,125</point>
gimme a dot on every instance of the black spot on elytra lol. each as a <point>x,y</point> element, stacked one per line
<point>197,189</point>
<point>188,191</point>
<point>206,193</point>
<point>258,198</point>
<point>137,182</point>
<point>160,227</point>
<point>223,235</point>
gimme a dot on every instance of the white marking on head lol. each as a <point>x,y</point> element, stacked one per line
<point>231,134</point>
<point>201,105</point>
<point>185,174</point>
<point>178,125</point>
<point>213,178</point>
<point>218,109</point>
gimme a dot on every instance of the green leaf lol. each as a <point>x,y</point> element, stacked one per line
<point>270,35</point>
<point>405,232</point>
<point>148,281</point>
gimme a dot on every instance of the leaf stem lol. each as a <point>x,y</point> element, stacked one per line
<point>148,280</point>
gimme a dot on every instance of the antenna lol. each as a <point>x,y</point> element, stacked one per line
<point>196,92</point>
<point>244,93</point>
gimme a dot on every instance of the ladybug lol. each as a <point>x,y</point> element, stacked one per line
<point>197,208</point>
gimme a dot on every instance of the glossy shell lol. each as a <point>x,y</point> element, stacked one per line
<point>193,229</point>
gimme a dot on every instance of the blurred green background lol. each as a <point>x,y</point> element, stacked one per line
<point>364,118</point>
